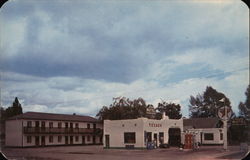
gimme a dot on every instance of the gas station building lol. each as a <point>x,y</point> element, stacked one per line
<point>138,133</point>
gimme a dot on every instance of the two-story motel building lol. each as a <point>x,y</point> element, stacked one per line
<point>46,129</point>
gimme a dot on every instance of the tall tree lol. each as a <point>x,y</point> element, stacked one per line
<point>207,104</point>
<point>3,115</point>
<point>239,133</point>
<point>244,108</point>
<point>15,109</point>
<point>171,110</point>
<point>123,108</point>
<point>139,108</point>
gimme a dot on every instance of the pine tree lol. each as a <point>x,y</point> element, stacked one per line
<point>15,109</point>
<point>244,108</point>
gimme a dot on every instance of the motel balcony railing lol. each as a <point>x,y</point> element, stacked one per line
<point>47,130</point>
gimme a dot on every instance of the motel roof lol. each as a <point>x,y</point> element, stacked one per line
<point>201,122</point>
<point>53,116</point>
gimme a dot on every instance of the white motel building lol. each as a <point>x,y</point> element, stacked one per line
<point>47,129</point>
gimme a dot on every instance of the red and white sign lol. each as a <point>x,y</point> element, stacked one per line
<point>154,125</point>
<point>224,112</point>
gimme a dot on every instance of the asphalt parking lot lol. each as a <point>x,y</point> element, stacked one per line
<point>98,153</point>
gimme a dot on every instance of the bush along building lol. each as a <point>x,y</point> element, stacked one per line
<point>47,129</point>
<point>239,131</point>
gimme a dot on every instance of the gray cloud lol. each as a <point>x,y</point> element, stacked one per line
<point>91,40</point>
<point>74,48</point>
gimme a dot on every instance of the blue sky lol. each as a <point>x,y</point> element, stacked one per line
<point>75,56</point>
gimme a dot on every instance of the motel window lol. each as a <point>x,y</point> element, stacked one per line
<point>59,138</point>
<point>50,124</point>
<point>88,126</point>
<point>88,138</point>
<point>59,124</point>
<point>94,126</point>
<point>221,136</point>
<point>29,139</point>
<point>77,125</point>
<point>71,125</point>
<point>50,139</point>
<point>129,137</point>
<point>76,138</point>
<point>208,136</point>
<point>29,124</point>
<point>66,124</point>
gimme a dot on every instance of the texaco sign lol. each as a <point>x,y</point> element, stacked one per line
<point>224,112</point>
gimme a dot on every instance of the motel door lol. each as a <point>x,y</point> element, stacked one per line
<point>66,140</point>
<point>37,126</point>
<point>43,126</point>
<point>37,139</point>
<point>94,139</point>
<point>83,139</point>
<point>107,141</point>
<point>71,139</point>
<point>43,141</point>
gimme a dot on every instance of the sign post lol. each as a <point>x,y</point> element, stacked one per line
<point>225,134</point>
<point>224,114</point>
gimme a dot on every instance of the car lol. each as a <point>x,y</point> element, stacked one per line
<point>164,145</point>
<point>2,156</point>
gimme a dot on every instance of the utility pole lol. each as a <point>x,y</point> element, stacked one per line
<point>225,130</point>
<point>224,117</point>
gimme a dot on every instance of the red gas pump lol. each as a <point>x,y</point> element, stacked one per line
<point>188,141</point>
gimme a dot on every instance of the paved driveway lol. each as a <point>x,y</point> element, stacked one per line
<point>98,153</point>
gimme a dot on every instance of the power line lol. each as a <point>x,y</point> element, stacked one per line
<point>138,91</point>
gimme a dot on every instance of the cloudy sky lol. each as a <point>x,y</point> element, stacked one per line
<point>75,56</point>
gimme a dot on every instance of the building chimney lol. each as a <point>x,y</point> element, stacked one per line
<point>164,116</point>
